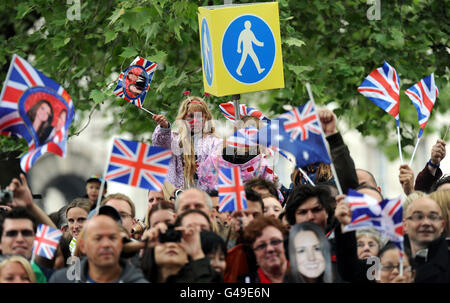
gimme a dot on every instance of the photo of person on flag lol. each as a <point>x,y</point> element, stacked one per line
<point>41,115</point>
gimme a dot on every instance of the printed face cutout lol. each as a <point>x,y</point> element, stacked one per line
<point>308,254</point>
<point>136,81</point>
<point>44,112</point>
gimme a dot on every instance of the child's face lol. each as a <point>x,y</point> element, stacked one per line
<point>92,189</point>
<point>195,120</point>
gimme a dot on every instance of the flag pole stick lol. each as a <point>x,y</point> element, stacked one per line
<point>399,143</point>
<point>100,193</point>
<point>146,110</point>
<point>414,152</point>
<point>446,133</point>
<point>306,176</point>
<point>333,169</point>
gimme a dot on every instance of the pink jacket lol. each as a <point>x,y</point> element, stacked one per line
<point>208,170</point>
<point>164,137</point>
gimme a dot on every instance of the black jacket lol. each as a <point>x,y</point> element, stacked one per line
<point>435,267</point>
<point>198,271</point>
<point>350,268</point>
<point>130,274</point>
<point>343,162</point>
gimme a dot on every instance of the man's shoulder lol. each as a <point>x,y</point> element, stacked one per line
<point>60,276</point>
<point>131,273</point>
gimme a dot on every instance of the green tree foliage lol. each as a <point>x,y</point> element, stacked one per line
<point>330,44</point>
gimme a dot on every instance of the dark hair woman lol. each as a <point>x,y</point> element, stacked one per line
<point>41,117</point>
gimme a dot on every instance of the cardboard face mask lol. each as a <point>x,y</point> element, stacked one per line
<point>309,253</point>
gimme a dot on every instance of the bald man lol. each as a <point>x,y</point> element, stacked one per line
<point>424,225</point>
<point>102,244</point>
<point>193,198</point>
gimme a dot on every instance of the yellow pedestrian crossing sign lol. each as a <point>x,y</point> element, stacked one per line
<point>240,48</point>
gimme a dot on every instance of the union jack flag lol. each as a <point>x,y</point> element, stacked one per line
<point>231,190</point>
<point>145,70</point>
<point>138,164</point>
<point>302,121</point>
<point>25,88</point>
<point>227,110</point>
<point>287,131</point>
<point>46,241</point>
<point>382,87</point>
<point>386,216</point>
<point>244,137</point>
<point>423,95</point>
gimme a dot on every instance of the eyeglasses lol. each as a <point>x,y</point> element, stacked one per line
<point>14,232</point>
<point>418,217</point>
<point>264,245</point>
<point>392,267</point>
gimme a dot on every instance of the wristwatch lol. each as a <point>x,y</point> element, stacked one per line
<point>433,165</point>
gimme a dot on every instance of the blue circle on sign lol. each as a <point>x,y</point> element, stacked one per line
<point>248,49</point>
<point>207,52</point>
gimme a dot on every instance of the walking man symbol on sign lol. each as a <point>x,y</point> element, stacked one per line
<point>206,50</point>
<point>252,59</point>
<point>247,38</point>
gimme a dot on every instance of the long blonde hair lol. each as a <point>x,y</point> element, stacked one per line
<point>193,104</point>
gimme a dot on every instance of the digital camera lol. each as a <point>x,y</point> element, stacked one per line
<point>6,196</point>
<point>171,235</point>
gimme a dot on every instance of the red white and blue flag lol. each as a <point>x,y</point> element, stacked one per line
<point>46,241</point>
<point>302,120</point>
<point>244,138</point>
<point>231,190</point>
<point>25,92</point>
<point>138,164</point>
<point>423,95</point>
<point>134,81</point>
<point>227,110</point>
<point>382,87</point>
<point>298,132</point>
<point>385,216</point>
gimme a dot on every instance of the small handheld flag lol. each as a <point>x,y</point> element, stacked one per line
<point>36,108</point>
<point>386,216</point>
<point>46,241</point>
<point>382,87</point>
<point>227,110</point>
<point>423,95</point>
<point>138,164</point>
<point>134,81</point>
<point>231,190</point>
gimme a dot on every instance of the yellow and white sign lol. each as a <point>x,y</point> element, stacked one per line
<point>241,48</point>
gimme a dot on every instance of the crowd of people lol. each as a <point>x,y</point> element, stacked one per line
<point>293,235</point>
